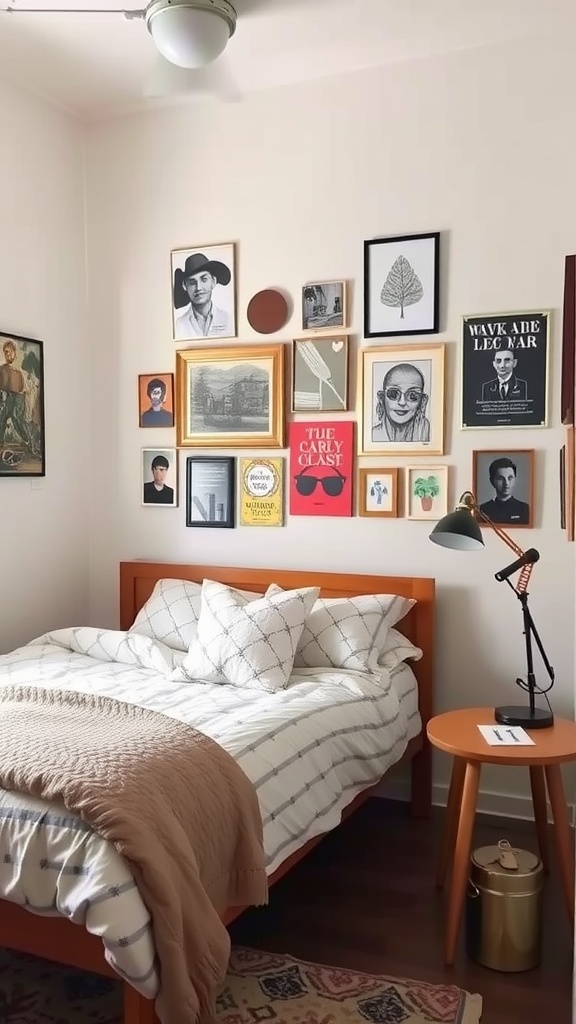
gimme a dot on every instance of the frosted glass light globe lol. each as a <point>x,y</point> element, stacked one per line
<point>188,37</point>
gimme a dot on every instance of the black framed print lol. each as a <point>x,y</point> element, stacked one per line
<point>401,285</point>
<point>22,437</point>
<point>210,491</point>
<point>505,370</point>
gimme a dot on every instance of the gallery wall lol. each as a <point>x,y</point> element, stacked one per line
<point>476,145</point>
<point>45,528</point>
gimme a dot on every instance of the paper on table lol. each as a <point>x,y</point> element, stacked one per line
<point>506,735</point>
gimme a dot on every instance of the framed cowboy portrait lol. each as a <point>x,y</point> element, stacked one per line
<point>401,400</point>
<point>22,438</point>
<point>203,292</point>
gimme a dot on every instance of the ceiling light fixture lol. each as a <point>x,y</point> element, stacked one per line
<point>190,33</point>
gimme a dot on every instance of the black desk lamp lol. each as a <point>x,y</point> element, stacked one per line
<point>459,530</point>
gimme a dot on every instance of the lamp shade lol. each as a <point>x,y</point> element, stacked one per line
<point>186,36</point>
<point>458,530</point>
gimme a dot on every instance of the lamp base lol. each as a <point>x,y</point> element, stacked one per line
<point>509,714</point>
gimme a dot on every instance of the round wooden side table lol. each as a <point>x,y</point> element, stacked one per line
<point>458,734</point>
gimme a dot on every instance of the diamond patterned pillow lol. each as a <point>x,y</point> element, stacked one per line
<point>397,648</point>
<point>348,632</point>
<point>171,613</point>
<point>247,644</point>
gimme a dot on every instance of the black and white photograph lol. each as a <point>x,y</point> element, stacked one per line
<point>204,292</point>
<point>401,398</point>
<point>320,374</point>
<point>505,370</point>
<point>504,486</point>
<point>160,477</point>
<point>324,306</point>
<point>210,491</point>
<point>401,285</point>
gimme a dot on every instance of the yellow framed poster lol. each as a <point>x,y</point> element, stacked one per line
<point>262,492</point>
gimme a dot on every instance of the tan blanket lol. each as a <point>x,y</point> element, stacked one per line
<point>171,800</point>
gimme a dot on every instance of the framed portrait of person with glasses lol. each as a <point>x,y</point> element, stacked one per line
<point>321,467</point>
<point>401,400</point>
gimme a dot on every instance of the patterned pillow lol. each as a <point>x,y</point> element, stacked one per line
<point>171,613</point>
<point>247,644</point>
<point>348,632</point>
<point>397,648</point>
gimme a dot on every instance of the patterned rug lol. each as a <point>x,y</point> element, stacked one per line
<point>259,987</point>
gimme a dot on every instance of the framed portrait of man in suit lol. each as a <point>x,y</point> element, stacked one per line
<point>505,370</point>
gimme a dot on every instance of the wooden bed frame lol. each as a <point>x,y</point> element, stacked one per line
<point>56,938</point>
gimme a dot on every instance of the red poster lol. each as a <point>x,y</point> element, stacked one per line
<point>321,466</point>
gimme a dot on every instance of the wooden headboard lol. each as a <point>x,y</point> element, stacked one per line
<point>137,581</point>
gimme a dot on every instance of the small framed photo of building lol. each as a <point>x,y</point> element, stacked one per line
<point>378,492</point>
<point>324,306</point>
<point>503,482</point>
<point>156,399</point>
<point>159,477</point>
<point>320,374</point>
<point>210,491</point>
<point>401,285</point>
<point>203,292</point>
<point>426,492</point>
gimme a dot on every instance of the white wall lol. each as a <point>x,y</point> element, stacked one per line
<point>42,295</point>
<point>478,145</point>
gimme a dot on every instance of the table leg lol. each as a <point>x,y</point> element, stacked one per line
<point>452,812</point>
<point>538,785</point>
<point>562,833</point>
<point>461,864</point>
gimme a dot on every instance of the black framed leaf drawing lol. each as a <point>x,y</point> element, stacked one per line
<point>401,285</point>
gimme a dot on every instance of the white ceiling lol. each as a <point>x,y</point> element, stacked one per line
<point>98,64</point>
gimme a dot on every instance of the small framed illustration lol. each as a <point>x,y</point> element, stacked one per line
<point>503,482</point>
<point>378,492</point>
<point>320,374</point>
<point>426,492</point>
<point>324,306</point>
<point>156,399</point>
<point>203,292</point>
<point>401,400</point>
<point>262,492</point>
<point>401,285</point>
<point>505,370</point>
<point>22,436</point>
<point>159,477</point>
<point>210,491</point>
<point>230,397</point>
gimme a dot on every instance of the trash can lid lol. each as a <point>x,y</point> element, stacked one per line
<point>506,869</point>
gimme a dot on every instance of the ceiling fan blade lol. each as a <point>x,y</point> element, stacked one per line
<point>168,79</point>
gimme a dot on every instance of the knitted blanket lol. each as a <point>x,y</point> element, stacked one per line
<point>173,803</point>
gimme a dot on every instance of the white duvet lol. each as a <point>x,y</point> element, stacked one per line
<point>308,750</point>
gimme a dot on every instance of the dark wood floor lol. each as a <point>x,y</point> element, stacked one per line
<point>365,899</point>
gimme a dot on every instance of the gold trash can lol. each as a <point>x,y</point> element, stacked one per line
<point>504,908</point>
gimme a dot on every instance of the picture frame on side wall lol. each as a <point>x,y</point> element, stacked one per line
<point>156,399</point>
<point>426,492</point>
<point>320,374</point>
<point>204,292</point>
<point>22,430</point>
<point>159,468</point>
<point>378,492</point>
<point>402,285</point>
<point>230,397</point>
<point>210,491</point>
<point>503,482</point>
<point>401,400</point>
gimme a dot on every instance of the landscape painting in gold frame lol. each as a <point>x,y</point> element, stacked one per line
<point>230,397</point>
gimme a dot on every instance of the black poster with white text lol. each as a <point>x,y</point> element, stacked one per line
<point>505,370</point>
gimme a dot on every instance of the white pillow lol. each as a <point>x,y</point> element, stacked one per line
<point>171,613</point>
<point>247,644</point>
<point>348,632</point>
<point>397,648</point>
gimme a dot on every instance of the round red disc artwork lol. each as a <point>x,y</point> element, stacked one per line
<point>267,311</point>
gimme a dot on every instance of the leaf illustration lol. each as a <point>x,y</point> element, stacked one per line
<point>402,287</point>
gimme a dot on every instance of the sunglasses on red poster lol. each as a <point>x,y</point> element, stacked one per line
<point>332,485</point>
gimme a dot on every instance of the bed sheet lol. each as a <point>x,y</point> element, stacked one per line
<point>308,750</point>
